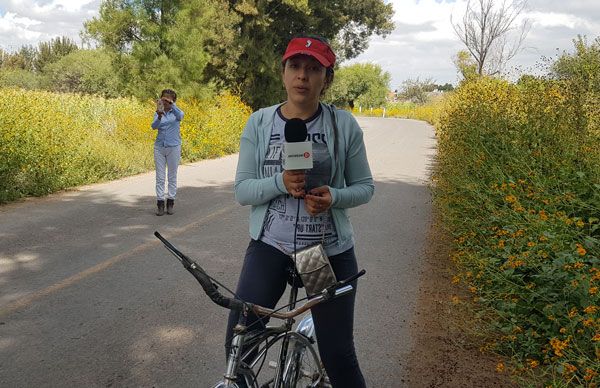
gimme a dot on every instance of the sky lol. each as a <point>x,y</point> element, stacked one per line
<point>422,44</point>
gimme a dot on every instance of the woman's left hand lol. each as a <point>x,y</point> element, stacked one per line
<point>317,200</point>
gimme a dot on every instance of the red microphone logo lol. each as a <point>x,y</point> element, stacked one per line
<point>306,155</point>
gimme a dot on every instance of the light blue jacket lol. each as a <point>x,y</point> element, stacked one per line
<point>168,134</point>
<point>351,184</point>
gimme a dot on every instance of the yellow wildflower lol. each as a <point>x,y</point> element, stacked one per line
<point>593,290</point>
<point>580,224</point>
<point>588,322</point>
<point>558,346</point>
<point>573,312</point>
<point>596,338</point>
<point>531,244</point>
<point>569,368</point>
<point>590,309</point>
<point>510,198</point>
<point>543,215</point>
<point>455,279</point>
<point>581,250</point>
<point>574,283</point>
<point>533,363</point>
<point>500,367</point>
<point>578,265</point>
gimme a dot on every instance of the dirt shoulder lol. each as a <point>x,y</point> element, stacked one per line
<point>444,355</point>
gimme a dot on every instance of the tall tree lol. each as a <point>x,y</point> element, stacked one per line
<point>365,84</point>
<point>166,43</point>
<point>23,59</point>
<point>417,90</point>
<point>466,65</point>
<point>267,25</point>
<point>486,30</point>
<point>52,51</point>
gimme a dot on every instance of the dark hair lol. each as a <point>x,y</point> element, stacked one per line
<point>169,92</point>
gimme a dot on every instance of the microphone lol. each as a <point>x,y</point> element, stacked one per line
<point>297,152</point>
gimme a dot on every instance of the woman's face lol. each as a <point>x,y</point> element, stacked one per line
<point>304,79</point>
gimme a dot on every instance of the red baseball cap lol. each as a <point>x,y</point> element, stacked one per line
<point>310,46</point>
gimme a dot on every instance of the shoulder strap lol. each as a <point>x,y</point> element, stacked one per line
<point>332,110</point>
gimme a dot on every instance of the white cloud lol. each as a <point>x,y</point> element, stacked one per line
<point>423,42</point>
<point>28,22</point>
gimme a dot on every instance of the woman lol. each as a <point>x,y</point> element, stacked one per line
<point>340,179</point>
<point>167,148</point>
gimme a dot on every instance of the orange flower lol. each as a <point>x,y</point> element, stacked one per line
<point>589,374</point>
<point>558,346</point>
<point>570,368</point>
<point>500,367</point>
<point>593,290</point>
<point>581,250</point>
<point>590,309</point>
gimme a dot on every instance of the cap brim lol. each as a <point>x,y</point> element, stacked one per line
<point>322,60</point>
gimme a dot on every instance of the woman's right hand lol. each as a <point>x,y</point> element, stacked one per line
<point>294,181</point>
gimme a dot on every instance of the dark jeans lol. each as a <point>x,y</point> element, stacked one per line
<point>263,281</point>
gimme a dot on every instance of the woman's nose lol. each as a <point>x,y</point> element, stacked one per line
<point>302,73</point>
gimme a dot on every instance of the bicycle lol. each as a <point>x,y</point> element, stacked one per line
<point>298,363</point>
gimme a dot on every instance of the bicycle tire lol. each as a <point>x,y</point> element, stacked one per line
<point>304,369</point>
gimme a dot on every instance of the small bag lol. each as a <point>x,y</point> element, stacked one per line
<point>314,268</point>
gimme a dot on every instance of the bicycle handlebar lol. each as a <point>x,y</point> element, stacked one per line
<point>340,288</point>
<point>209,287</point>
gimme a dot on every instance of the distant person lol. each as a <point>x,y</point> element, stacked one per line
<point>167,148</point>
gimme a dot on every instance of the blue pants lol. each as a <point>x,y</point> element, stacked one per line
<point>263,280</point>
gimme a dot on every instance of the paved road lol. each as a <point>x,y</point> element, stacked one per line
<point>88,297</point>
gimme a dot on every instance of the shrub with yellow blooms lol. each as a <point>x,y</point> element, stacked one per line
<point>53,141</point>
<point>518,183</point>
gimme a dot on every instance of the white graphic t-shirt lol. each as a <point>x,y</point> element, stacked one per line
<point>278,230</point>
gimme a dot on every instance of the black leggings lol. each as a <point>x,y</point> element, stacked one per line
<point>263,280</point>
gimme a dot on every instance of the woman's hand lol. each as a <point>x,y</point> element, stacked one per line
<point>294,181</point>
<point>318,200</point>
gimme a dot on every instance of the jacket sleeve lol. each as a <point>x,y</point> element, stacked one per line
<point>156,121</point>
<point>359,186</point>
<point>249,188</point>
<point>177,112</point>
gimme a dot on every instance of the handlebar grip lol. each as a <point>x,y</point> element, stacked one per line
<point>207,285</point>
<point>352,278</point>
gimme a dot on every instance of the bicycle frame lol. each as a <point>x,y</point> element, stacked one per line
<point>283,332</point>
<point>236,366</point>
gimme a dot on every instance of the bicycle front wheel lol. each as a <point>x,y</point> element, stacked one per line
<point>303,367</point>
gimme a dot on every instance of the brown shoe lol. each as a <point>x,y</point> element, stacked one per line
<point>170,204</point>
<point>161,208</point>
